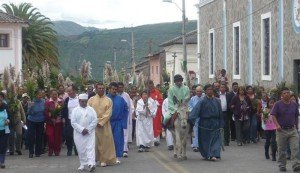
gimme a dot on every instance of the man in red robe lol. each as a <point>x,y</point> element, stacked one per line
<point>156,95</point>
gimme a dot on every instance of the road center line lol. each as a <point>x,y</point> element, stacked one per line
<point>163,164</point>
<point>174,164</point>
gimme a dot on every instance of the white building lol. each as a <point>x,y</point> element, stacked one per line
<point>11,41</point>
<point>174,47</point>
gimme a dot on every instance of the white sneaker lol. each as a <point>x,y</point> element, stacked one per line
<point>103,164</point>
<point>118,162</point>
<point>125,154</point>
<point>81,168</point>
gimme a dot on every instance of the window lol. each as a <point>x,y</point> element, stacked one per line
<point>236,50</point>
<point>152,68</point>
<point>266,46</point>
<point>211,53</point>
<point>4,38</point>
<point>156,69</point>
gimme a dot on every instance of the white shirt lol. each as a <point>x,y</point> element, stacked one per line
<point>223,101</point>
<point>165,107</point>
<point>72,104</point>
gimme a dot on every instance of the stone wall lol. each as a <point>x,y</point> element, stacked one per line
<point>211,16</point>
<point>291,43</point>
<point>237,12</point>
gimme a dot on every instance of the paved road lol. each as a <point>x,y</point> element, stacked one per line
<point>246,159</point>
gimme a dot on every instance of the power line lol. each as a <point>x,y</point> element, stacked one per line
<point>242,18</point>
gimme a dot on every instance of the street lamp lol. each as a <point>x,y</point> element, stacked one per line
<point>183,38</point>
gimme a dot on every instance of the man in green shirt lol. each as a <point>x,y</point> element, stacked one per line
<point>178,93</point>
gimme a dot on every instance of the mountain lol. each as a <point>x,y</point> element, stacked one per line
<point>97,46</point>
<point>68,28</point>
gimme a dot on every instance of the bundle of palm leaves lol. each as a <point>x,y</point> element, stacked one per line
<point>45,71</point>
<point>60,79</point>
<point>30,83</point>
<point>68,82</point>
<point>109,74</point>
<point>85,72</point>
<point>276,92</point>
<point>140,81</point>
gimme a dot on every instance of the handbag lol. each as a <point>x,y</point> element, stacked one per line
<point>245,122</point>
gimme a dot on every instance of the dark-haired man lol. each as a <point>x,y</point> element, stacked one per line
<point>178,93</point>
<point>231,94</point>
<point>105,148</point>
<point>285,116</point>
<point>211,121</point>
<point>156,95</point>
<point>118,119</point>
<point>128,131</point>
<point>70,103</point>
<point>225,101</point>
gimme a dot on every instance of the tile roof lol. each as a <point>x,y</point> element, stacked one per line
<point>191,38</point>
<point>9,18</point>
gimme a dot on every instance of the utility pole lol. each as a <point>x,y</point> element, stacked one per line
<point>184,44</point>
<point>183,39</point>
<point>149,47</point>
<point>173,72</point>
<point>115,58</point>
<point>132,51</point>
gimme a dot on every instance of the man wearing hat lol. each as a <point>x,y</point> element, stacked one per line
<point>178,93</point>
<point>84,121</point>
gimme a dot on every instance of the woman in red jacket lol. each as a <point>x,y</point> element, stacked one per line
<point>54,123</point>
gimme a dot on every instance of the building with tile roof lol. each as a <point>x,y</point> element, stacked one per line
<point>11,41</point>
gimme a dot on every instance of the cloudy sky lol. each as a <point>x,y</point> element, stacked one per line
<point>112,13</point>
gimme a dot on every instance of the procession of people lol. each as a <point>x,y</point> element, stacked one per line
<point>99,124</point>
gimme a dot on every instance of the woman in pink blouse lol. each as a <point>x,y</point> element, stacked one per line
<point>270,130</point>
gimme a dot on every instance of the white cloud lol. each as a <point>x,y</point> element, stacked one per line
<point>112,13</point>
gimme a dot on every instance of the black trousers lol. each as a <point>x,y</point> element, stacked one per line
<point>3,141</point>
<point>68,131</point>
<point>271,139</point>
<point>232,126</point>
<point>226,117</point>
<point>3,145</point>
<point>35,137</point>
<point>133,128</point>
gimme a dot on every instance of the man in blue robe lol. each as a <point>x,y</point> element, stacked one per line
<point>211,122</point>
<point>118,119</point>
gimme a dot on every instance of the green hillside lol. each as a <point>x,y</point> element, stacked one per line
<point>68,28</point>
<point>98,46</point>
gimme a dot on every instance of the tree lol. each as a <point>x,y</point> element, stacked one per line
<point>38,38</point>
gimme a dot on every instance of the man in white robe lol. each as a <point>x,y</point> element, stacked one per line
<point>145,112</point>
<point>169,137</point>
<point>128,131</point>
<point>84,121</point>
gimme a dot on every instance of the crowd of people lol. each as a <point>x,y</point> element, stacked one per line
<point>98,125</point>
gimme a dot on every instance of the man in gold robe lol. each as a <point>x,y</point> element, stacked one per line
<point>105,147</point>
